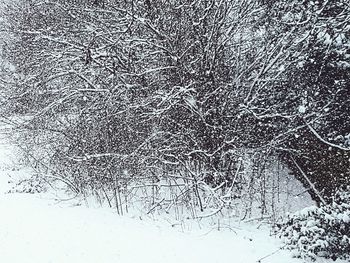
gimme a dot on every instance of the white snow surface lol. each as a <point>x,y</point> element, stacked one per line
<point>36,228</point>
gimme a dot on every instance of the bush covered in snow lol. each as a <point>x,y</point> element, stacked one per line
<point>320,231</point>
<point>32,185</point>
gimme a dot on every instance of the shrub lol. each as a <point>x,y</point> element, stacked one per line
<point>320,231</point>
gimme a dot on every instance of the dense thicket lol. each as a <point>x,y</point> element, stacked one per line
<point>205,94</point>
<point>321,77</point>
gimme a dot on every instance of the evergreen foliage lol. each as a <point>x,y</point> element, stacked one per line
<point>320,231</point>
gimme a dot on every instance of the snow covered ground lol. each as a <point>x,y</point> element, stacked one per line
<point>36,228</point>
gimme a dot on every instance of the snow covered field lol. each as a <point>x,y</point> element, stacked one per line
<point>36,228</point>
